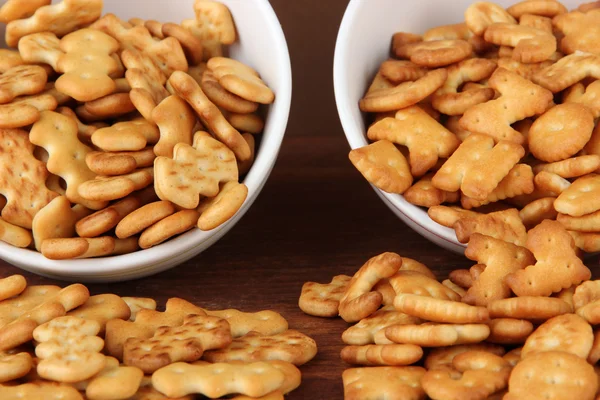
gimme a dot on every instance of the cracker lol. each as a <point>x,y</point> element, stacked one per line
<point>567,333</point>
<point>553,248</point>
<point>21,80</point>
<point>509,330</point>
<point>250,123</point>
<point>179,222</point>
<point>110,106</point>
<point>526,70</point>
<point>383,165</point>
<point>436,53</point>
<point>385,354</point>
<point>265,322</point>
<point>531,45</point>
<point>191,45</point>
<point>222,98</point>
<point>216,380</point>
<point>588,242</point>
<point>579,199</point>
<point>216,21</point>
<point>587,97</point>
<point>537,373</point>
<point>60,19</point>
<point>104,220</point>
<point>119,163</point>
<point>42,47</point>
<point>568,71</point>
<point>435,335</point>
<point>440,310</point>
<point>11,286</point>
<point>143,217</point>
<point>245,166</point>
<point>448,216</point>
<point>240,79</point>
<point>426,139</point>
<point>517,182</point>
<point>17,115</point>
<point>69,349</point>
<point>323,300</point>
<point>594,355</point>
<point>480,15</point>
<point>394,383</point>
<point>474,375</point>
<point>102,308</point>
<point>359,301</point>
<point>571,167</point>
<point>569,124</point>
<point>587,301</point>
<point>136,304</point>
<point>364,331</point>
<point>551,182</point>
<point>18,9</point>
<point>67,248</point>
<point>40,390</point>
<point>529,307</point>
<point>585,223</point>
<point>443,356</point>
<point>15,235</point>
<point>501,258</point>
<point>580,30</point>
<point>114,382</point>
<point>505,225</point>
<point>187,88</point>
<point>398,71</point>
<point>405,94</point>
<point>414,282</point>
<point>424,194</point>
<point>180,343</point>
<point>46,225</point>
<point>173,130</point>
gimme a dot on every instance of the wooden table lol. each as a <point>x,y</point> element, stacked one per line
<point>315,218</point>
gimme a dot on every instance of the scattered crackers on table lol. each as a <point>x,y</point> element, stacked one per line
<point>119,135</point>
<point>67,344</point>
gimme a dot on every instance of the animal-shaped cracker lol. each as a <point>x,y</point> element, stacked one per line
<point>531,45</point>
<point>554,251</point>
<point>435,335</point>
<point>60,19</point>
<point>136,304</point>
<point>69,349</point>
<point>45,224</point>
<point>580,198</point>
<point>21,80</point>
<point>426,139</point>
<point>569,333</point>
<point>520,99</point>
<point>359,301</point>
<point>176,121</point>
<point>378,382</point>
<point>18,9</point>
<point>217,380</point>
<point>581,31</point>
<point>568,71</point>
<point>181,343</point>
<point>194,171</point>
<point>187,88</point>
<point>24,186</point>
<point>470,169</point>
<point>323,300</point>
<point>500,258</point>
<point>102,308</point>
<point>113,381</point>
<point>480,15</point>
<point>291,346</point>
<point>42,47</point>
<point>383,165</point>
<point>540,372</point>
<point>57,134</point>
<point>414,282</point>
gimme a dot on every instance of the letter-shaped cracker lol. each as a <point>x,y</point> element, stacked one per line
<point>359,301</point>
<point>500,258</point>
<point>23,180</point>
<point>380,382</point>
<point>581,31</point>
<point>323,300</point>
<point>187,88</point>
<point>181,343</point>
<point>520,98</point>
<point>557,266</point>
<point>426,139</point>
<point>57,134</point>
<point>540,373</point>
<point>478,166</point>
<point>60,19</point>
<point>568,71</point>
<point>217,380</point>
<point>474,374</point>
<point>69,349</point>
<point>194,171</point>
<point>86,67</point>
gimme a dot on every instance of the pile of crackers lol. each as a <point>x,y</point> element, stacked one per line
<point>63,343</point>
<point>522,323</point>
<point>119,135</point>
<point>492,124</point>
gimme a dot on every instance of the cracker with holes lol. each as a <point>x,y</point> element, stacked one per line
<point>378,382</point>
<point>69,349</point>
<point>520,99</point>
<point>470,169</point>
<point>180,343</point>
<point>383,165</point>
<point>500,258</point>
<point>426,139</point>
<point>291,346</point>
<point>21,80</point>
<point>553,248</point>
<point>323,299</point>
<point>24,187</point>
<point>102,308</point>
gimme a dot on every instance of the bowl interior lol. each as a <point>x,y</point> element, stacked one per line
<point>262,45</point>
<point>363,42</point>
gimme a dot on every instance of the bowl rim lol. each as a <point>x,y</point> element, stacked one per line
<point>146,260</point>
<point>354,129</point>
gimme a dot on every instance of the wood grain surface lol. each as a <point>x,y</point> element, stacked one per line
<point>315,218</point>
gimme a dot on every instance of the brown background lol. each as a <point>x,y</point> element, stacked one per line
<point>315,218</point>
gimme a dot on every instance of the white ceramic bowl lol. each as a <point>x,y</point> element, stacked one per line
<point>262,45</point>
<point>363,42</point>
